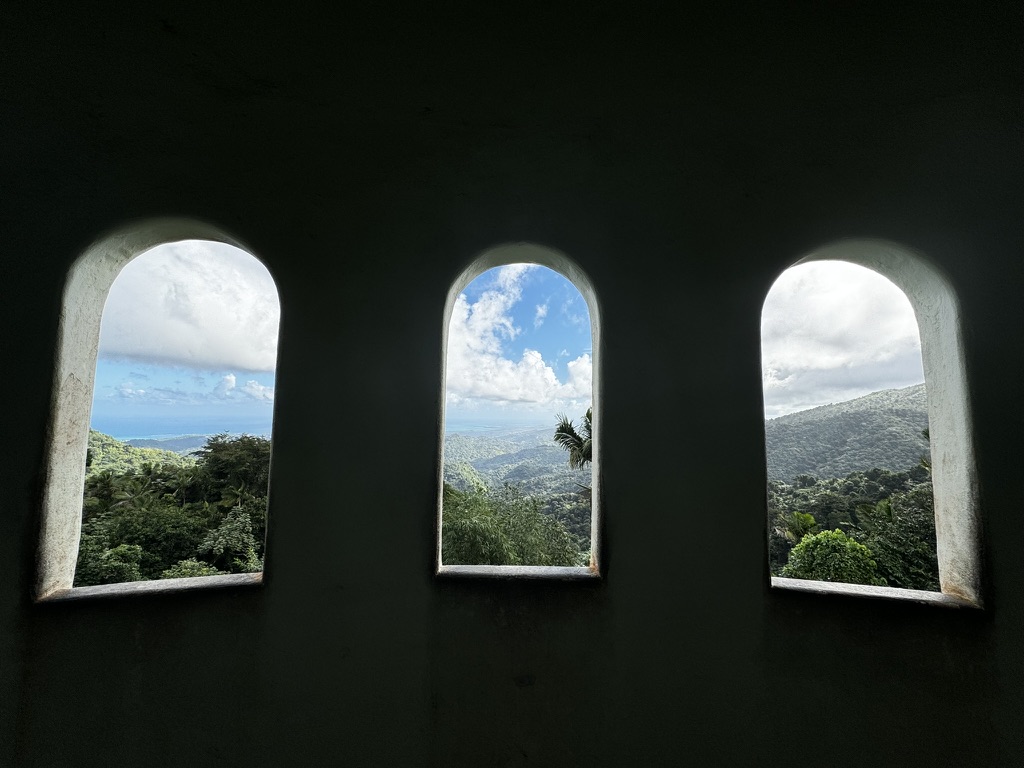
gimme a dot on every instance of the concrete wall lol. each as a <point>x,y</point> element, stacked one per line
<point>683,158</point>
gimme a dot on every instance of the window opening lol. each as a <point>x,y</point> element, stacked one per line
<point>855,395</point>
<point>177,395</point>
<point>519,442</point>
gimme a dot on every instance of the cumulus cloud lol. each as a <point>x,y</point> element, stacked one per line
<point>832,331</point>
<point>225,385</point>
<point>258,391</point>
<point>196,304</point>
<point>477,366</point>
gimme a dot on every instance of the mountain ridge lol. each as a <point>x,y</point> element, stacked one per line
<point>882,429</point>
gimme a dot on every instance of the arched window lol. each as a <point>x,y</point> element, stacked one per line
<point>520,443</point>
<point>162,410</point>
<point>872,486</point>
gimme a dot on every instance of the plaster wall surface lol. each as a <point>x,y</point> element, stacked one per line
<point>683,157</point>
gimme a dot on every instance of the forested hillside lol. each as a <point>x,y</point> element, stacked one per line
<point>883,430</point>
<point>873,527</point>
<point>150,514</point>
<point>528,458</point>
<point>108,454</point>
<point>511,498</point>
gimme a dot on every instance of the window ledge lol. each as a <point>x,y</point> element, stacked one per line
<point>863,590</point>
<point>552,572</point>
<point>154,587</point>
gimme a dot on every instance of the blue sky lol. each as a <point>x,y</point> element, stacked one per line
<point>519,350</point>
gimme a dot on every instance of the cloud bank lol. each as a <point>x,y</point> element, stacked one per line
<point>195,304</point>
<point>479,373</point>
<point>832,331</point>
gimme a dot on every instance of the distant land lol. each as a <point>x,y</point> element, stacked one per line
<point>182,444</point>
<point>527,457</point>
<point>881,430</point>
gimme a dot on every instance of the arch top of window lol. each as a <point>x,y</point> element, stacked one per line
<point>86,287</point>
<point>530,253</point>
<point>954,479</point>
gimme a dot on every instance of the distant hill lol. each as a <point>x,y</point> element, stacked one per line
<point>106,452</point>
<point>183,444</point>
<point>881,430</point>
<point>526,457</point>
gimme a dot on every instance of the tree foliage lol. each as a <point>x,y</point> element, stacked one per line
<point>580,443</point>
<point>105,453</point>
<point>900,532</point>
<point>883,429</point>
<point>503,527</point>
<point>186,569</point>
<point>832,556</point>
<point>892,513</point>
<point>197,517</point>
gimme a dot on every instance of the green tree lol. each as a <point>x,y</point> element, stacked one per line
<point>149,520</point>
<point>900,532</point>
<point>235,462</point>
<point>504,527</point>
<point>101,565</point>
<point>832,556</point>
<point>188,568</point>
<point>471,534</point>
<point>165,532</point>
<point>232,544</point>
<point>579,444</point>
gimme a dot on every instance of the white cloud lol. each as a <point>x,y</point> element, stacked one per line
<point>579,319</point>
<point>127,390</point>
<point>477,368</point>
<point>225,385</point>
<point>832,331</point>
<point>542,312</point>
<point>195,304</point>
<point>225,394</point>
<point>258,391</point>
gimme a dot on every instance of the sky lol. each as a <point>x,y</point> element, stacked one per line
<point>832,331</point>
<point>519,351</point>
<point>188,344</point>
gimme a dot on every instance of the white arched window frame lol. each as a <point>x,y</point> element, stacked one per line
<point>529,253</point>
<point>85,292</point>
<point>954,477</point>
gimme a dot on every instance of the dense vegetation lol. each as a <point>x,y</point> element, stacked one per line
<point>883,429</point>
<point>890,514</point>
<point>108,454</point>
<point>515,500</point>
<point>504,527</point>
<point>832,519</point>
<point>184,516</point>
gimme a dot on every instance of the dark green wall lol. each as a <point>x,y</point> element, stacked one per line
<point>683,158</point>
